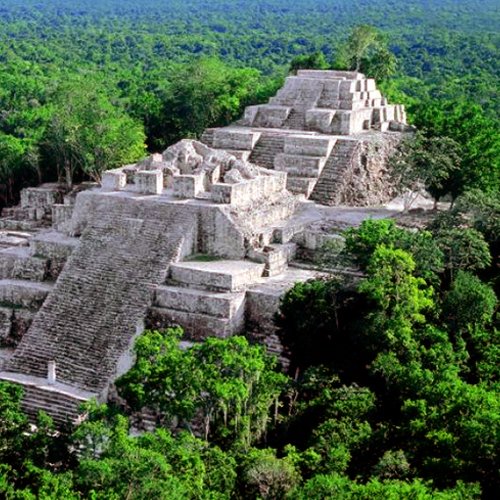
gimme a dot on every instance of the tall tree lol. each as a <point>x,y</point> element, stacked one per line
<point>366,50</point>
<point>426,163</point>
<point>89,134</point>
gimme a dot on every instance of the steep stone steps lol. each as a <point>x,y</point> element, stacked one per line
<point>100,299</point>
<point>296,120</point>
<point>326,189</point>
<point>266,150</point>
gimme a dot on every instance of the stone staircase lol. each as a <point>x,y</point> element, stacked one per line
<point>296,120</point>
<point>267,148</point>
<point>100,300</point>
<point>339,162</point>
<point>303,159</point>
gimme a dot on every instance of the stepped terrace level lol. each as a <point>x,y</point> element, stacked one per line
<point>329,102</point>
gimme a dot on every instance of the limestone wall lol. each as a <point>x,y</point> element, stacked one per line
<point>357,172</point>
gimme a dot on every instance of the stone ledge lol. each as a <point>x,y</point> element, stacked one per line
<point>231,275</point>
<point>223,305</point>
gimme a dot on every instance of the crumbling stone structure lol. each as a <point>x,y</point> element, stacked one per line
<point>205,235</point>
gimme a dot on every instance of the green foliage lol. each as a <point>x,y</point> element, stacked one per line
<point>229,383</point>
<point>266,476</point>
<point>156,464</point>
<point>12,422</point>
<point>206,93</point>
<point>463,248</point>
<point>17,165</point>
<point>468,125</point>
<point>400,296</point>
<point>407,399</point>
<point>316,60</point>
<point>346,429</point>
<point>469,304</point>
<point>337,486</point>
<point>361,243</point>
<point>366,50</point>
<point>479,211</point>
<point>87,134</point>
<point>429,163</point>
<point>304,333</point>
<point>393,465</point>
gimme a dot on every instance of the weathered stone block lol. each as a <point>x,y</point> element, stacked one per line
<point>29,295</point>
<point>187,186</point>
<point>149,181</point>
<point>53,245</point>
<point>217,275</point>
<point>235,138</point>
<point>113,180</point>
<point>271,116</point>
<point>18,263</point>
<point>196,326</point>
<point>220,305</point>
<point>308,145</point>
<point>41,197</point>
<point>320,119</point>
<point>61,216</point>
<point>296,165</point>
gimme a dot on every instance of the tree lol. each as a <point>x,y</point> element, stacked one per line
<point>229,383</point>
<point>205,93</point>
<point>308,337</point>
<point>476,132</point>
<point>18,165</point>
<point>13,423</point>
<point>470,303</point>
<point>337,486</point>
<point>361,242</point>
<point>316,60</point>
<point>425,163</point>
<point>89,134</point>
<point>401,298</point>
<point>266,476</point>
<point>365,50</point>
<point>464,249</point>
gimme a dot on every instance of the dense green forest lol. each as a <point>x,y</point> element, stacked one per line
<point>393,387</point>
<point>162,70</point>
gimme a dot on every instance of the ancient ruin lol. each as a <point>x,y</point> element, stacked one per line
<point>207,235</point>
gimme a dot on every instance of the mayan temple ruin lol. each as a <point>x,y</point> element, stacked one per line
<point>208,235</point>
